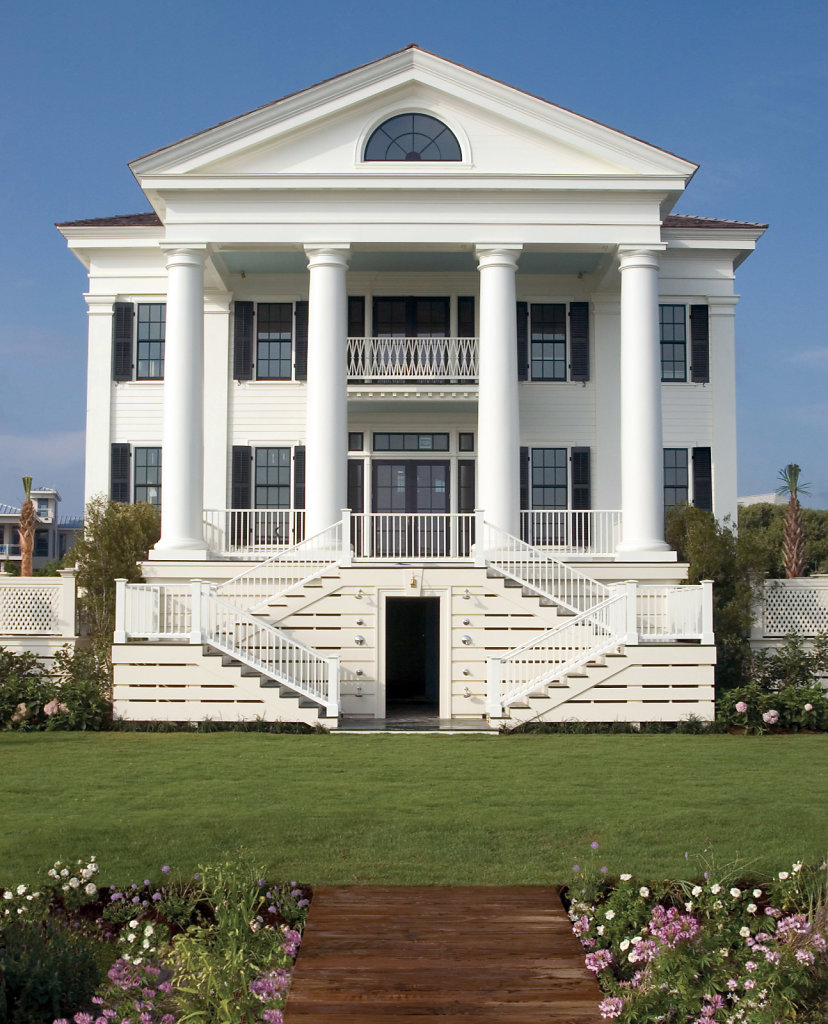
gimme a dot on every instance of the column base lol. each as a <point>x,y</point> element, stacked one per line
<point>195,552</point>
<point>655,551</point>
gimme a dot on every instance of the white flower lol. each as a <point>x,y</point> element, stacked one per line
<point>21,889</point>
<point>52,873</point>
<point>636,939</point>
<point>29,896</point>
<point>91,889</point>
<point>625,878</point>
<point>797,867</point>
<point>751,908</point>
<point>718,906</point>
<point>696,890</point>
<point>74,882</point>
<point>624,945</point>
<point>744,932</point>
<point>64,872</point>
<point>757,893</point>
<point>8,895</point>
<point>644,891</point>
<point>610,914</point>
<point>689,907</point>
<point>93,859</point>
<point>146,943</point>
<point>735,893</point>
<point>783,875</point>
<point>149,930</point>
<point>715,889</point>
<point>724,952</point>
<point>600,929</point>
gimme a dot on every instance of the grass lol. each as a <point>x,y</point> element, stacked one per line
<point>409,809</point>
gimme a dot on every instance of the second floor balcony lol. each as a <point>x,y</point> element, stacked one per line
<point>433,360</point>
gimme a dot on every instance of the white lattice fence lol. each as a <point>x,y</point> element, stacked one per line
<point>795,606</point>
<point>37,607</point>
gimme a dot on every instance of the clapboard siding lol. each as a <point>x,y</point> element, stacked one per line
<point>264,413</point>
<point>687,411</point>
<point>557,413</point>
<point>137,412</point>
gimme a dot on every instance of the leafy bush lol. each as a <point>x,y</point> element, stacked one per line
<point>46,970</point>
<point>75,694</point>
<point>784,691</point>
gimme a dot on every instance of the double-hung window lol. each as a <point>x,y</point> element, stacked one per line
<point>676,477</point>
<point>272,478</point>
<point>548,341</point>
<point>147,468</point>
<point>274,340</point>
<point>549,478</point>
<point>673,329</point>
<point>151,332</point>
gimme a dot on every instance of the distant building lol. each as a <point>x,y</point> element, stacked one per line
<point>763,499</point>
<point>54,534</point>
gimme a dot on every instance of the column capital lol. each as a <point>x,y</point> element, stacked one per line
<point>333,255</point>
<point>645,257</point>
<point>497,255</point>
<point>99,305</point>
<point>722,305</point>
<point>184,254</point>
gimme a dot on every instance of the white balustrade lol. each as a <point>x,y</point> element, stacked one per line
<point>672,613</point>
<point>571,531</point>
<point>433,359</point>
<point>248,532</point>
<point>395,536</point>
<point>154,611</point>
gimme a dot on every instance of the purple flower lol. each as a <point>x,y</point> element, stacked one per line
<point>611,1007</point>
<point>576,868</point>
<point>166,868</point>
<point>594,845</point>
<point>83,1018</point>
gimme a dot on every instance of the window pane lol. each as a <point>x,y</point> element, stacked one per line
<point>549,478</point>
<point>147,475</point>
<point>676,477</point>
<point>274,341</point>
<point>272,478</point>
<point>673,328</point>
<point>412,137</point>
<point>548,341</point>
<point>151,331</point>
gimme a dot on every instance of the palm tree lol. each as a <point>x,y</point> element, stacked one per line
<point>26,528</point>
<point>793,538</point>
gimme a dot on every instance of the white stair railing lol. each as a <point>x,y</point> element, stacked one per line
<point>537,570</point>
<point>548,658</point>
<point>288,569</point>
<point>270,651</point>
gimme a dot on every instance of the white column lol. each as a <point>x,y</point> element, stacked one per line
<point>218,375</point>
<point>498,417</point>
<point>99,397</point>
<point>606,460</point>
<point>642,459</point>
<point>722,312</point>
<point>182,452</point>
<point>326,452</point>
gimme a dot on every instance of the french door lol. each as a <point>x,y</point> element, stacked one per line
<point>410,500</point>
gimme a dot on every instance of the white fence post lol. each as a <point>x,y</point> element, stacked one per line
<point>479,548</point>
<point>494,688</point>
<point>332,703</point>
<point>197,587</point>
<point>632,612</point>
<point>345,557</point>
<point>120,612</point>
<point>707,635</point>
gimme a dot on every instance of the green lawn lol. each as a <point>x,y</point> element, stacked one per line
<point>409,809</point>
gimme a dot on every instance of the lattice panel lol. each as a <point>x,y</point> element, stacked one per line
<point>796,610</point>
<point>28,611</point>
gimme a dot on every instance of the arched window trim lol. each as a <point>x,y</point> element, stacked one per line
<point>453,130</point>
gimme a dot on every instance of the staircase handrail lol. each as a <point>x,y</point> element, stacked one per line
<point>607,620</point>
<point>586,590</point>
<point>286,660</point>
<point>262,582</point>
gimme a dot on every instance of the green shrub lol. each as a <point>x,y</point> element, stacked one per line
<point>46,971</point>
<point>75,694</point>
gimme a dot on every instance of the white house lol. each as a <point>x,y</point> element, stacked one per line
<point>412,362</point>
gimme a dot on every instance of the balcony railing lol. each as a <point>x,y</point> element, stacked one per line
<point>252,532</point>
<point>572,532</point>
<point>392,536</point>
<point>9,549</point>
<point>380,360</point>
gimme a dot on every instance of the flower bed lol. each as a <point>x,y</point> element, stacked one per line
<point>217,948</point>
<point>719,949</point>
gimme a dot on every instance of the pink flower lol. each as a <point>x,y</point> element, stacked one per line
<point>770,717</point>
<point>53,707</point>
<point>611,1007</point>
<point>809,707</point>
<point>741,707</point>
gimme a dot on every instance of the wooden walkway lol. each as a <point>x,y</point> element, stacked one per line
<point>377,955</point>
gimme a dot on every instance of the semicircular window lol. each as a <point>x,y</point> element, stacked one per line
<point>412,137</point>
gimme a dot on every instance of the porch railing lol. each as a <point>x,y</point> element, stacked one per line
<point>570,531</point>
<point>394,359</point>
<point>250,532</point>
<point>395,536</point>
<point>674,613</point>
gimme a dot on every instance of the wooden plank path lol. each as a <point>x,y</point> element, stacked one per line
<point>378,955</point>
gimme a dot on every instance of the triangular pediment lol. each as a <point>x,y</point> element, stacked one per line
<point>322,131</point>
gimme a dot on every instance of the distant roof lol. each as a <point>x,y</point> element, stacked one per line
<point>152,220</point>
<point>70,522</point>
<point>8,510</point>
<point>681,220</point>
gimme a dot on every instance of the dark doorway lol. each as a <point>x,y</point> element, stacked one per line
<point>412,655</point>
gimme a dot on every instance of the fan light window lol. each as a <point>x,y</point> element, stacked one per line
<point>413,137</point>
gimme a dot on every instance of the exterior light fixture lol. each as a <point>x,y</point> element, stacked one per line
<point>465,640</point>
<point>359,640</point>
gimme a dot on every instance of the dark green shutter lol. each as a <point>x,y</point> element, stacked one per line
<point>123,314</point>
<point>524,479</point>
<point>465,316</point>
<point>465,485</point>
<point>300,342</point>
<point>299,476</point>
<point>579,341</point>
<point>699,344</point>
<point>356,485</point>
<point>523,340</point>
<point>581,493</point>
<point>119,473</point>
<point>702,479</point>
<point>356,316</point>
<point>241,490</point>
<point>243,328</point>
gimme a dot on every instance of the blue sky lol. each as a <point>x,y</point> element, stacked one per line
<point>739,88</point>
